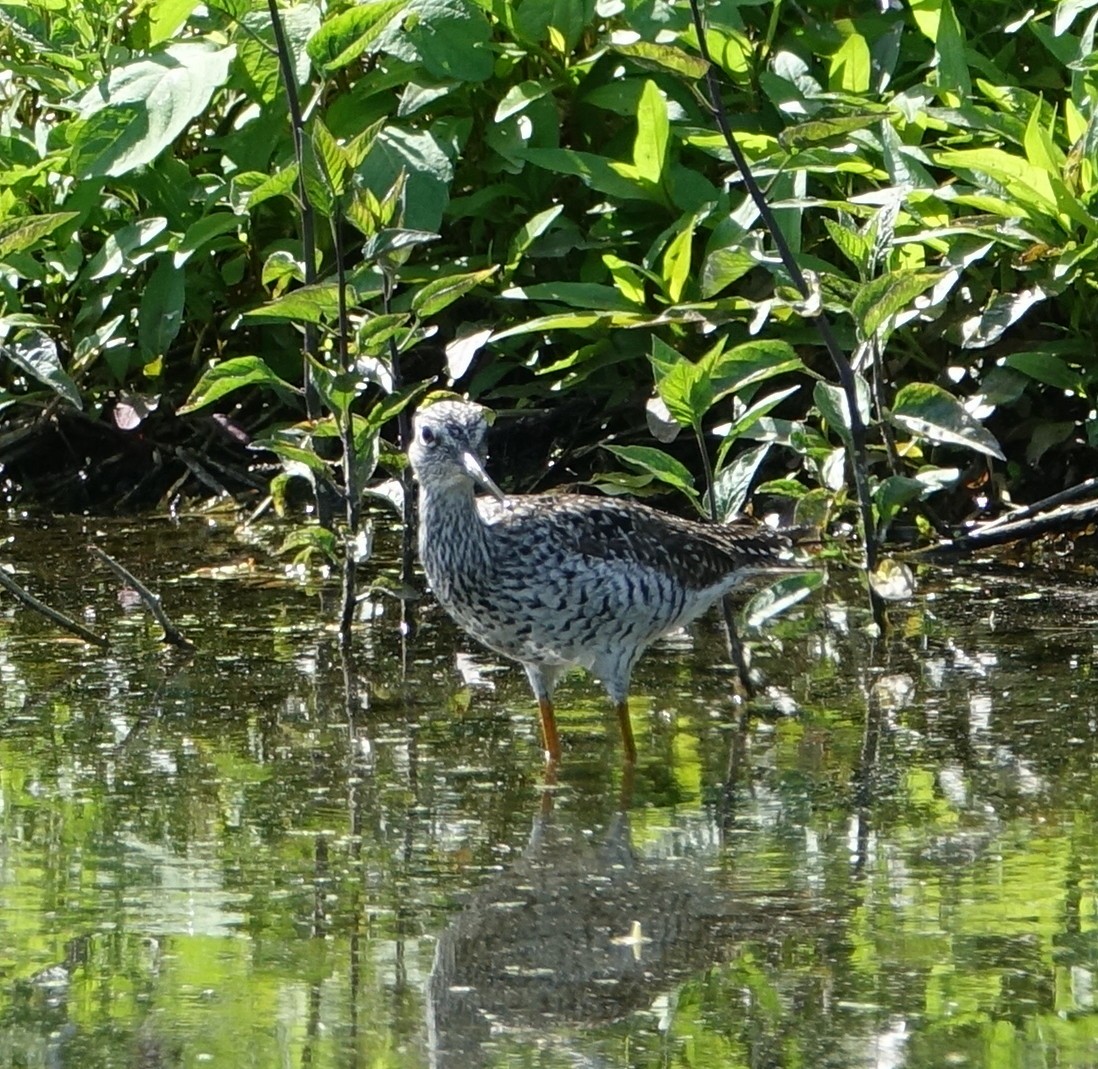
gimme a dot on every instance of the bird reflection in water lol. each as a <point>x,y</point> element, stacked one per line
<point>578,933</point>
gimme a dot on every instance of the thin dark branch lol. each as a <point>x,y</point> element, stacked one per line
<point>16,591</point>
<point>1067,517</point>
<point>172,634</point>
<point>1072,493</point>
<point>308,229</point>
<point>847,379</point>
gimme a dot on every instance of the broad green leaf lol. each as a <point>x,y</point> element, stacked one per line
<point>577,321</point>
<point>1048,368</point>
<point>817,130</point>
<point>281,183</point>
<point>1002,311</point>
<point>657,463</point>
<point>203,231</point>
<point>331,156</point>
<point>927,411</point>
<point>584,296</point>
<point>849,242</point>
<point>937,20</point>
<point>126,248</point>
<point>144,105</point>
<point>606,176</point>
<point>893,493</point>
<point>676,261</point>
<point>751,362</point>
<point>450,39</point>
<point>431,298</point>
<point>851,66</point>
<point>879,300</point>
<point>23,231</point>
<point>832,402</point>
<point>653,133</point>
<point>165,17</point>
<point>687,392</point>
<point>667,58</point>
<point>36,354</point>
<point>160,314</point>
<point>724,266</point>
<point>746,420</point>
<point>342,38</point>
<point>733,482</point>
<point>234,374</point>
<point>308,304</point>
<point>530,231</point>
<point>518,98</point>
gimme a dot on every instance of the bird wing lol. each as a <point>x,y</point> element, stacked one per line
<point>696,555</point>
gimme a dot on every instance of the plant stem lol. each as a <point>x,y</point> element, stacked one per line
<point>847,379</point>
<point>310,348</point>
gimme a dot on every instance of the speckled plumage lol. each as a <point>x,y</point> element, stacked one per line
<point>554,580</point>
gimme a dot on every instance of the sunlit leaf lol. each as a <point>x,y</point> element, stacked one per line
<point>308,304</point>
<point>435,295</point>
<point>657,463</point>
<point>23,231</point>
<point>928,411</point>
<point>879,300</point>
<point>343,37</point>
<point>667,58</point>
<point>144,105</point>
<point>733,482</point>
<point>233,374</point>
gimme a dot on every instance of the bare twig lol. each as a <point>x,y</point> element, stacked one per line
<point>172,634</point>
<point>16,591</point>
<point>1065,518</point>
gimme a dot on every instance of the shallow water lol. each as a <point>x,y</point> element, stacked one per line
<point>271,853</point>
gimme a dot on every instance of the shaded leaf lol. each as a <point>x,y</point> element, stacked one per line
<point>36,353</point>
<point>22,231</point>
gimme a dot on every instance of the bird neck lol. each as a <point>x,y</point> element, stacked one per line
<point>451,529</point>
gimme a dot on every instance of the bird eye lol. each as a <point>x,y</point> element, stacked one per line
<point>427,436</point>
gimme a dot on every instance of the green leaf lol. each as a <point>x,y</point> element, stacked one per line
<point>229,375</point>
<point>22,231</point>
<point>586,296</point>
<point>281,183</point>
<point>144,105</point>
<point>657,463</point>
<point>851,66</point>
<point>666,58</point>
<point>203,231</point>
<point>342,38</point>
<point>1048,368</point>
<point>878,301</point>
<point>331,157</point>
<point>606,176</point>
<point>308,304</point>
<point>36,353</point>
<point>832,403</point>
<point>849,242</point>
<point>937,20</point>
<point>927,411</point>
<point>430,299</point>
<point>751,362</point>
<point>653,133</point>
<point>733,482</point>
<point>893,493</point>
<point>161,312</point>
<point>676,261</point>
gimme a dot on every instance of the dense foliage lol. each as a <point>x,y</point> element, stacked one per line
<point>532,201</point>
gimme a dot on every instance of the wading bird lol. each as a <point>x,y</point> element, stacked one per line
<point>559,580</point>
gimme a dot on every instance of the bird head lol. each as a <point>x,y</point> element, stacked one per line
<point>448,446</point>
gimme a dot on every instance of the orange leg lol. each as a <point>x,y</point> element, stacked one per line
<point>628,744</point>
<point>549,729</point>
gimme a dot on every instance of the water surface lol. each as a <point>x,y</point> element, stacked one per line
<point>274,852</point>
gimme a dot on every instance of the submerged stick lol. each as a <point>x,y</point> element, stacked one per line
<point>59,618</point>
<point>172,634</point>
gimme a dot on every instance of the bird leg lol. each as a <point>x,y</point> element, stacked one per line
<point>549,728</point>
<point>628,744</point>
